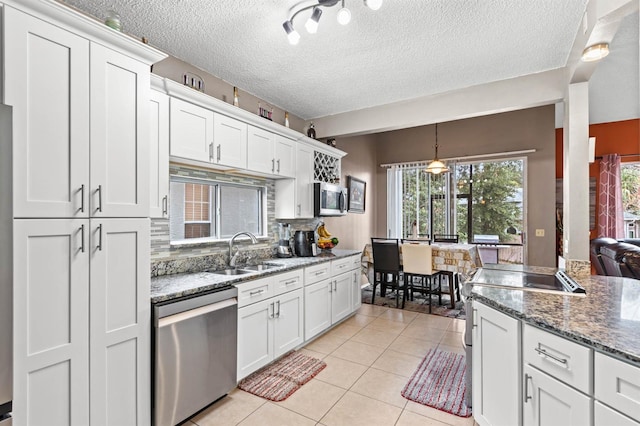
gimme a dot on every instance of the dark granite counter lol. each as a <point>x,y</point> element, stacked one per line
<point>606,319</point>
<point>169,287</point>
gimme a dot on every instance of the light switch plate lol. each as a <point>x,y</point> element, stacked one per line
<point>539,232</point>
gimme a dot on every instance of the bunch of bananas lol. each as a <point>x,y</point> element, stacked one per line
<point>325,241</point>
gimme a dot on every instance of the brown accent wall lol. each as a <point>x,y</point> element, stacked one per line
<point>354,230</point>
<point>518,130</point>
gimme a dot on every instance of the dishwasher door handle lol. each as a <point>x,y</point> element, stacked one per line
<point>183,316</point>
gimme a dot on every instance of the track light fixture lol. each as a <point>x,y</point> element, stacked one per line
<point>344,16</point>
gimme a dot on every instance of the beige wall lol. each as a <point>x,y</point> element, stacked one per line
<point>355,230</point>
<point>173,69</point>
<point>512,131</point>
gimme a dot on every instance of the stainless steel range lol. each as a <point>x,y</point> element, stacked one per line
<point>511,279</point>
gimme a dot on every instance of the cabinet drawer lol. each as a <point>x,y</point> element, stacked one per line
<point>254,291</point>
<point>565,360</point>
<point>356,261</point>
<point>605,416</point>
<point>315,273</point>
<point>339,266</point>
<point>288,281</point>
<point>617,384</point>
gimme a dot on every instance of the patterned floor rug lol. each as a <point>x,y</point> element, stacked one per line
<point>439,382</point>
<point>419,303</point>
<point>278,381</point>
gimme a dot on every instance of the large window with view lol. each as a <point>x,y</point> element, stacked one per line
<point>203,210</point>
<point>482,202</point>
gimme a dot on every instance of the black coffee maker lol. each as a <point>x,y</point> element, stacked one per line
<point>304,244</point>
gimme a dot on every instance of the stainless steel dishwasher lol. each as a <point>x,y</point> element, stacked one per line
<point>195,345</point>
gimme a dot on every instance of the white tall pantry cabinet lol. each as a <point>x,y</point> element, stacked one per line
<point>76,188</point>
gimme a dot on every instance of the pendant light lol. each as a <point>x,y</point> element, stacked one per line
<point>436,166</point>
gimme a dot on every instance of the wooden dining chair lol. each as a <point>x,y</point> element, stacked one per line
<point>446,238</point>
<point>387,269</point>
<point>419,275</point>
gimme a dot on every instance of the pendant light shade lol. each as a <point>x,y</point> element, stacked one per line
<point>436,166</point>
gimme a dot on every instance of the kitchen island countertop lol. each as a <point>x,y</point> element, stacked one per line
<point>169,287</point>
<point>606,319</point>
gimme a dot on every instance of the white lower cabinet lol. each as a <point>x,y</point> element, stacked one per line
<point>549,402</point>
<point>341,296</point>
<point>617,384</point>
<point>269,327</point>
<point>317,308</point>
<point>496,367</point>
<point>82,321</point>
<point>605,416</point>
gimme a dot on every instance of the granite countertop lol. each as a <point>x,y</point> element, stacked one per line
<point>606,319</point>
<point>169,287</point>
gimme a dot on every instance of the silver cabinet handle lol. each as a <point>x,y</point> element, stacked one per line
<point>253,293</point>
<point>290,282</point>
<point>218,153</point>
<point>99,191</point>
<point>335,285</point>
<point>273,310</point>
<point>165,205</point>
<point>278,314</point>
<point>330,287</point>
<point>542,352</point>
<point>211,151</point>
<point>82,198</point>
<point>299,209</point>
<point>273,165</point>
<point>278,166</point>
<point>473,318</point>
<point>99,246</point>
<point>319,273</point>
<point>527,397</point>
<point>82,238</point>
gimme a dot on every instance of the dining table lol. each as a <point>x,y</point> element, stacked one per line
<point>461,259</point>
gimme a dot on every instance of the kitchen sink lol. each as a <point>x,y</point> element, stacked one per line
<point>231,271</point>
<point>261,267</point>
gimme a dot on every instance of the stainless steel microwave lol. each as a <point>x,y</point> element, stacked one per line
<point>329,199</point>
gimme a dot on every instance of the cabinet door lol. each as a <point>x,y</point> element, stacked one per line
<point>260,151</point>
<point>191,131</point>
<point>119,170</point>
<point>288,322</point>
<point>120,322</point>
<point>341,296</point>
<point>317,308</point>
<point>549,402</point>
<point>496,367</point>
<point>285,157</point>
<point>230,139</point>
<point>356,291</point>
<point>605,416</point>
<point>255,337</point>
<point>46,81</point>
<point>51,322</point>
<point>158,155</point>
<point>304,182</point>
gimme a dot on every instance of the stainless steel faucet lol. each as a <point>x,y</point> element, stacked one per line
<point>232,259</point>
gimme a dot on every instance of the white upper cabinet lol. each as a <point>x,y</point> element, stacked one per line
<point>47,84</point>
<point>230,140</point>
<point>268,153</point>
<point>80,123</point>
<point>294,197</point>
<point>191,131</point>
<point>159,155</point>
<point>285,155</point>
<point>261,150</point>
<point>119,135</point>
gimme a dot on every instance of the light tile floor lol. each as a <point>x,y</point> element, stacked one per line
<point>370,357</point>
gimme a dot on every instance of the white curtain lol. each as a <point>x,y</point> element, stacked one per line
<point>394,202</point>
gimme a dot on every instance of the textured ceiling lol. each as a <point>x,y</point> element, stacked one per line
<point>405,50</point>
